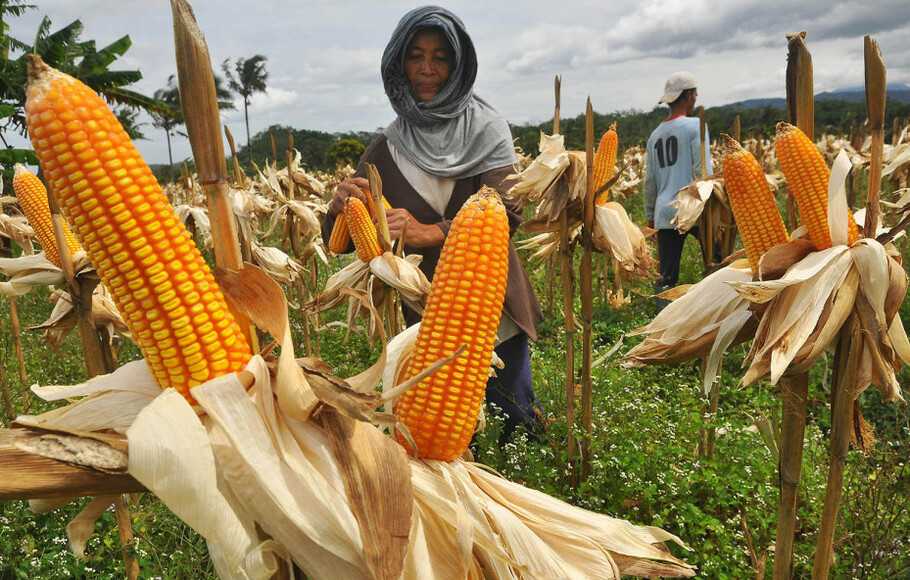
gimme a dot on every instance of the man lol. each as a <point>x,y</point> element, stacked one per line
<point>673,162</point>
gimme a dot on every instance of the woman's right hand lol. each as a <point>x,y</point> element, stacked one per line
<point>355,186</point>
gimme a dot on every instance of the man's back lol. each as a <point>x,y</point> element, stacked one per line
<point>673,162</point>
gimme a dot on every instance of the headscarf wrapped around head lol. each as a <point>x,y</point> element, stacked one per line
<point>456,134</point>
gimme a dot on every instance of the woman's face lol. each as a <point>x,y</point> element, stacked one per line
<point>427,63</point>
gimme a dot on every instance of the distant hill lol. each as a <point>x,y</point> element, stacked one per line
<point>897,92</point>
<point>835,112</point>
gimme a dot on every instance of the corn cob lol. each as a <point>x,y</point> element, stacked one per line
<point>807,177</point>
<point>361,229</point>
<point>754,207</point>
<point>464,307</point>
<point>605,162</point>
<point>173,307</point>
<point>341,237</point>
<point>32,197</point>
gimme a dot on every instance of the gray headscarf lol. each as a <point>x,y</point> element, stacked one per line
<point>456,134</point>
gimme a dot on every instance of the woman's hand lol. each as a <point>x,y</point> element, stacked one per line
<point>352,186</point>
<point>416,234</point>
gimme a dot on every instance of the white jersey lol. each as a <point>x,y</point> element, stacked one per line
<point>673,162</point>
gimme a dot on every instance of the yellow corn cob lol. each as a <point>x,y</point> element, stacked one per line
<point>33,200</point>
<point>807,177</point>
<point>361,229</point>
<point>172,305</point>
<point>341,237</point>
<point>464,307</point>
<point>605,162</point>
<point>754,207</point>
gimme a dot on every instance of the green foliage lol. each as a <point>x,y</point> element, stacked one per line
<point>314,146</point>
<point>63,50</point>
<point>345,151</point>
<point>838,117</point>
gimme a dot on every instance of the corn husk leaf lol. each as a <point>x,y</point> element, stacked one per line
<point>690,202</point>
<point>63,317</point>
<point>616,234</point>
<point>200,217</point>
<point>16,228</point>
<point>542,174</point>
<point>688,327</point>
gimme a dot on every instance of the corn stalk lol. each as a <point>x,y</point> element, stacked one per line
<point>203,123</point>
<point>800,101</point>
<point>568,305</point>
<point>794,389</point>
<point>587,295</point>
<point>850,345</point>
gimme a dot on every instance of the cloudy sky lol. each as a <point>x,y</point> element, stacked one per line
<point>323,55</point>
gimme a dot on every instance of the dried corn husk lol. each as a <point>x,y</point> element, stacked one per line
<point>335,496</point>
<point>201,223</point>
<point>616,234</point>
<point>807,306</point>
<point>701,323</point>
<point>63,317</point>
<point>691,200</point>
<point>27,272</point>
<point>376,279</point>
<point>17,229</point>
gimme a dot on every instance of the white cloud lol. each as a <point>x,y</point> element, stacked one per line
<point>323,57</point>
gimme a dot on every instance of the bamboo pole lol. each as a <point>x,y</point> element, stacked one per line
<point>850,346</point>
<point>203,123</point>
<point>568,305</point>
<point>587,295</point>
<point>705,221</point>
<point>794,395</point>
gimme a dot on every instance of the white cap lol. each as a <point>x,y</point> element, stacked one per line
<point>676,84</point>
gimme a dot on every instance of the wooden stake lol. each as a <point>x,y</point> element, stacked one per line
<point>203,123</point>
<point>850,346</point>
<point>97,361</point>
<point>587,295</point>
<point>794,395</point>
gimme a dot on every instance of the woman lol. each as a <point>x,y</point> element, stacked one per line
<point>444,145</point>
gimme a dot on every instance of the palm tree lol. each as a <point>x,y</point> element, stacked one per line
<point>13,8</point>
<point>247,78</point>
<point>172,117</point>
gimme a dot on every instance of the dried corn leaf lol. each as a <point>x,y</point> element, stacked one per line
<point>687,328</point>
<point>616,234</point>
<point>690,202</point>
